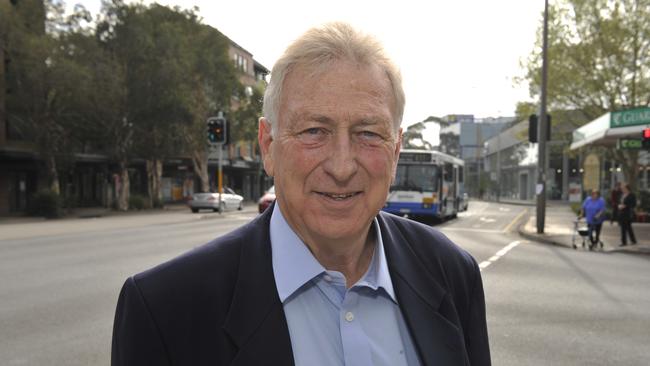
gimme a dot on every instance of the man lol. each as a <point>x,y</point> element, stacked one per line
<point>322,277</point>
<point>626,214</point>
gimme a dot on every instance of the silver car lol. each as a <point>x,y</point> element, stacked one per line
<point>210,201</point>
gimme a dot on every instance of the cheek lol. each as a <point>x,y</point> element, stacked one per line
<point>380,165</point>
<point>298,163</point>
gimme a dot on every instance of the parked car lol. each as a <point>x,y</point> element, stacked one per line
<point>210,201</point>
<point>266,200</point>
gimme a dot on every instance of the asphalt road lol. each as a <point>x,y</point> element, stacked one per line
<point>546,305</point>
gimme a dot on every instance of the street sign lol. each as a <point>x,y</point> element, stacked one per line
<point>630,117</point>
<point>629,144</point>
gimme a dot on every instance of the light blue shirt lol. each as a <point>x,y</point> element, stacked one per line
<point>330,325</point>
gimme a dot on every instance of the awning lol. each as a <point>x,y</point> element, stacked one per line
<point>608,128</point>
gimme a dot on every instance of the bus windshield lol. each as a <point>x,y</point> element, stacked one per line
<point>421,178</point>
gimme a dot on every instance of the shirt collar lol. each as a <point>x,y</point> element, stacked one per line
<point>294,265</point>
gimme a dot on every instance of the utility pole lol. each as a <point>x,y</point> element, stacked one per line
<point>542,130</point>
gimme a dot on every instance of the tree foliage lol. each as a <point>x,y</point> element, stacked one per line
<point>141,82</point>
<point>598,61</point>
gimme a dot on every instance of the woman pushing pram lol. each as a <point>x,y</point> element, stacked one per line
<point>593,210</point>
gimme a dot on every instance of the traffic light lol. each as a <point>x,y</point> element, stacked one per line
<point>532,128</point>
<point>646,138</point>
<point>217,127</point>
<point>533,120</point>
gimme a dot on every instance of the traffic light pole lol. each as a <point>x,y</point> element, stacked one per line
<point>542,131</point>
<point>217,135</point>
<point>220,176</point>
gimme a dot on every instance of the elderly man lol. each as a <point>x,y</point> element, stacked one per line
<point>322,277</point>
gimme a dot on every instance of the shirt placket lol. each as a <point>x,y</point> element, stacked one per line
<point>356,350</point>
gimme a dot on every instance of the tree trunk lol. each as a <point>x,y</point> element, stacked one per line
<point>53,174</point>
<point>154,178</point>
<point>123,188</point>
<point>200,163</point>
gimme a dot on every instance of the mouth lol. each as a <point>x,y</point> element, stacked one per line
<point>339,196</point>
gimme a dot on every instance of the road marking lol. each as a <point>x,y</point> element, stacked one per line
<point>516,219</point>
<point>498,255</point>
<point>487,219</point>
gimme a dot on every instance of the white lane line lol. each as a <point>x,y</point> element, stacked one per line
<point>498,255</point>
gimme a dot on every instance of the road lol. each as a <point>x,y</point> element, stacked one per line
<point>546,305</point>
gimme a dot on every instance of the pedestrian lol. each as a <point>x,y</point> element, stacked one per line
<point>626,214</point>
<point>322,277</point>
<point>614,200</point>
<point>593,209</point>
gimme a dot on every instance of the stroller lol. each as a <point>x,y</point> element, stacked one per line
<point>580,229</point>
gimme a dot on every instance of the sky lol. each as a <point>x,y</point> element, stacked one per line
<point>456,56</point>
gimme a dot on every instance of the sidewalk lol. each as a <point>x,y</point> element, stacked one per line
<point>92,212</point>
<point>559,230</point>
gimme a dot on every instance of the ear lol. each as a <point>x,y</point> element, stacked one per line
<point>398,147</point>
<point>265,139</point>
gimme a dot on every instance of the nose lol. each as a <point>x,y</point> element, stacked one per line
<point>341,164</point>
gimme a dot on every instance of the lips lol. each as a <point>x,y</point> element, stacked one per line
<point>339,196</point>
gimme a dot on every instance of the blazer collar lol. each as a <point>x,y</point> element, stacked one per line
<point>256,322</point>
<point>427,307</point>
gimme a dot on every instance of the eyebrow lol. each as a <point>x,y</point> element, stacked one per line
<point>324,119</point>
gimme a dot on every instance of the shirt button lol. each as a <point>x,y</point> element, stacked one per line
<point>349,316</point>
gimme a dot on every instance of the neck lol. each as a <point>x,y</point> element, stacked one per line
<point>352,258</point>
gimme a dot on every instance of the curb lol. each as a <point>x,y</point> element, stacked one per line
<point>538,239</point>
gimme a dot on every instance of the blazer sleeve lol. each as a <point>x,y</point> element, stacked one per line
<point>136,338</point>
<point>476,336</point>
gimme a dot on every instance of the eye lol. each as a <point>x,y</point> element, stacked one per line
<point>312,135</point>
<point>312,131</point>
<point>369,136</point>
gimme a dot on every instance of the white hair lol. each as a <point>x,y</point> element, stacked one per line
<point>317,49</point>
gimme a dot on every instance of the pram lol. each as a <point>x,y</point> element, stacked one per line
<point>580,229</point>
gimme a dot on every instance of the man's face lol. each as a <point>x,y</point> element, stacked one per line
<point>335,149</point>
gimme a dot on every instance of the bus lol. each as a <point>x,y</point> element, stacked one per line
<point>427,184</point>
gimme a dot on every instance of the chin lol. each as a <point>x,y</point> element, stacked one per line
<point>340,226</point>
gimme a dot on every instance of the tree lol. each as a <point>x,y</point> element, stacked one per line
<point>149,44</point>
<point>42,80</point>
<point>209,87</point>
<point>599,52</point>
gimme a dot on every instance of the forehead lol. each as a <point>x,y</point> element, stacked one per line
<point>338,87</point>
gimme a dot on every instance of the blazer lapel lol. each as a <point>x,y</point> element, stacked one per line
<point>426,306</point>
<point>256,322</point>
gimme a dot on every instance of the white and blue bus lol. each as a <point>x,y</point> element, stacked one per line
<point>427,184</point>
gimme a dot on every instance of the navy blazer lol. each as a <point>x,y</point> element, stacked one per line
<point>218,304</point>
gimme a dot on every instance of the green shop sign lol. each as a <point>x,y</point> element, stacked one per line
<point>630,117</point>
<point>629,144</point>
